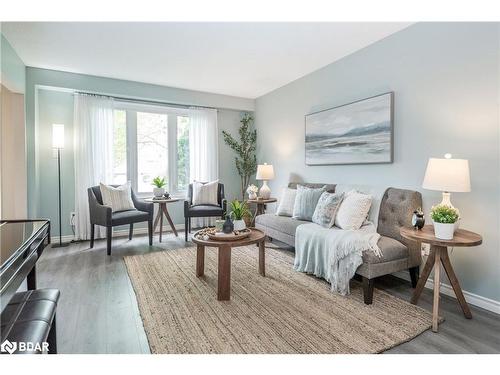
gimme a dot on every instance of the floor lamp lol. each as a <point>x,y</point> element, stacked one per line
<point>58,144</point>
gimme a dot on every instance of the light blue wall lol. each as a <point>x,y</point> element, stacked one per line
<point>445,77</point>
<point>12,67</point>
<point>47,105</point>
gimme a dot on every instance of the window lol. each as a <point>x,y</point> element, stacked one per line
<point>150,141</point>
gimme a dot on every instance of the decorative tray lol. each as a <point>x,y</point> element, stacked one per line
<point>220,236</point>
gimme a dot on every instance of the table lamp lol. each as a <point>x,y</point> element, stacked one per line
<point>447,175</point>
<point>265,173</point>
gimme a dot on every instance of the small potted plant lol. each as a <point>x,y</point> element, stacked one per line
<point>239,211</point>
<point>159,186</point>
<point>444,218</point>
<point>252,191</point>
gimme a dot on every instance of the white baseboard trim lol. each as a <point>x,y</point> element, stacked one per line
<point>124,232</point>
<point>471,298</point>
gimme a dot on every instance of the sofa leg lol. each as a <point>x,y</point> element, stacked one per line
<point>368,290</point>
<point>414,273</point>
<point>130,231</point>
<point>186,228</point>
<point>109,234</point>
<point>150,232</point>
<point>92,229</point>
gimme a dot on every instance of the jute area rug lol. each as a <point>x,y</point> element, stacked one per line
<point>284,312</point>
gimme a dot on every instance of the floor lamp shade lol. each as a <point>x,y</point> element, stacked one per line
<point>57,135</point>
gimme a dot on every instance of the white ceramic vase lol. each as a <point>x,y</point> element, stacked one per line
<point>444,231</point>
<point>252,195</point>
<point>239,224</point>
<point>158,192</point>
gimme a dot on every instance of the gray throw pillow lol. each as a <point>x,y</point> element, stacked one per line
<point>305,202</point>
<point>326,209</point>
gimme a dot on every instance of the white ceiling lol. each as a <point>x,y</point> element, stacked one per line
<point>240,59</point>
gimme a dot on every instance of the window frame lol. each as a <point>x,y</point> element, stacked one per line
<point>131,109</point>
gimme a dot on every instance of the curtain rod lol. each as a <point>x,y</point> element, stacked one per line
<point>145,101</point>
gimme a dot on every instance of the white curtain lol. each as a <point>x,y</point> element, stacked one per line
<point>93,140</point>
<point>203,151</point>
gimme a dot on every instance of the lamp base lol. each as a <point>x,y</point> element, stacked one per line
<point>265,191</point>
<point>57,244</point>
<point>446,199</point>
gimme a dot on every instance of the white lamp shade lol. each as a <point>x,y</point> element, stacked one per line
<point>265,172</point>
<point>58,135</point>
<point>451,175</point>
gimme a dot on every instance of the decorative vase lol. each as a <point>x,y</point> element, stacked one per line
<point>444,231</point>
<point>158,192</point>
<point>252,195</point>
<point>239,224</point>
<point>228,226</point>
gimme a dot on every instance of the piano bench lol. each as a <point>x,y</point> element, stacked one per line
<point>30,317</point>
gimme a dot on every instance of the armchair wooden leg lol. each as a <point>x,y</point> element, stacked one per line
<point>367,290</point>
<point>414,272</point>
<point>92,229</point>
<point>130,231</point>
<point>150,232</point>
<point>186,228</point>
<point>109,234</point>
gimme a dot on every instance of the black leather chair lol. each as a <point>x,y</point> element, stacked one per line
<point>102,215</point>
<point>205,210</point>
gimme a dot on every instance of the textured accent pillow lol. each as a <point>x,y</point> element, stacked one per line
<point>287,202</point>
<point>305,202</point>
<point>353,210</point>
<point>118,198</point>
<point>326,209</point>
<point>205,193</point>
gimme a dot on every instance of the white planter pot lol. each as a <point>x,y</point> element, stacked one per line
<point>158,192</point>
<point>444,231</point>
<point>239,224</point>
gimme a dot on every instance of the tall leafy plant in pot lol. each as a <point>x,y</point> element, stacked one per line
<point>245,160</point>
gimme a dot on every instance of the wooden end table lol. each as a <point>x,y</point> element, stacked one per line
<point>224,267</point>
<point>261,206</point>
<point>163,211</point>
<point>439,255</point>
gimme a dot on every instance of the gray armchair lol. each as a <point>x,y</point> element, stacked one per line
<point>205,210</point>
<point>102,215</point>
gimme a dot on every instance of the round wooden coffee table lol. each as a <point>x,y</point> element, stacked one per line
<point>224,268</point>
<point>438,255</point>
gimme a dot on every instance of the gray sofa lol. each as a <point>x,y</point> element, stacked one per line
<point>390,211</point>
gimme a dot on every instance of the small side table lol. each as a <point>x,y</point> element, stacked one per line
<point>163,211</point>
<point>437,256</point>
<point>261,206</point>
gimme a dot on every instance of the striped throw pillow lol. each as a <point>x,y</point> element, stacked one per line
<point>306,201</point>
<point>118,198</point>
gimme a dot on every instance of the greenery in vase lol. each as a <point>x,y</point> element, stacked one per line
<point>159,182</point>
<point>246,160</point>
<point>239,210</point>
<point>444,214</point>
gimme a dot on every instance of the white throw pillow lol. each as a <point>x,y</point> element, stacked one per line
<point>118,198</point>
<point>205,193</point>
<point>286,202</point>
<point>353,210</point>
<point>306,201</point>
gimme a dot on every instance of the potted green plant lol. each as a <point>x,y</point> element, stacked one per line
<point>159,184</point>
<point>239,211</point>
<point>444,219</point>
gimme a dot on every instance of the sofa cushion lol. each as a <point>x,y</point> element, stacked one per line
<point>390,248</point>
<point>280,223</point>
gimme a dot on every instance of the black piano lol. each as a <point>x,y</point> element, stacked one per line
<point>26,317</point>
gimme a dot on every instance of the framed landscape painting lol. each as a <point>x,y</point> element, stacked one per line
<point>354,133</point>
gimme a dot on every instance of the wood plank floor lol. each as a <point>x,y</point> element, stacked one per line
<point>98,312</point>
